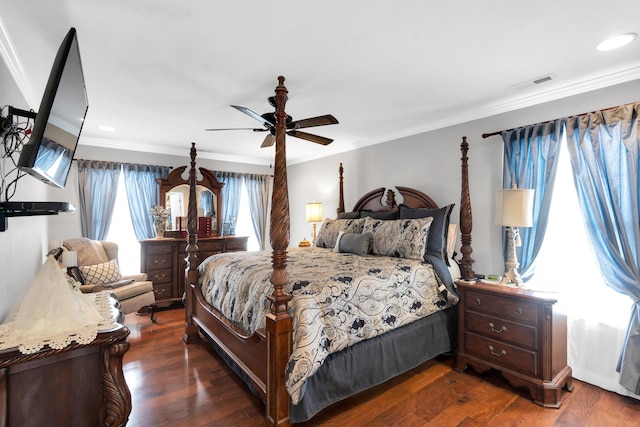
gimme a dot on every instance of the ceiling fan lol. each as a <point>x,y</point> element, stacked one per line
<point>268,121</point>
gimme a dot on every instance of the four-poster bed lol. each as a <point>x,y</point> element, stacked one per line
<point>261,356</point>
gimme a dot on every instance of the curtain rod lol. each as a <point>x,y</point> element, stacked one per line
<point>123,163</point>
<point>487,135</point>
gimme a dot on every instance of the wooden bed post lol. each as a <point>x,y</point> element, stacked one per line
<point>341,184</point>
<point>190,328</point>
<point>466,223</point>
<point>278,323</point>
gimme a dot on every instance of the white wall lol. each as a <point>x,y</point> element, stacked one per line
<point>23,245</point>
<point>430,162</point>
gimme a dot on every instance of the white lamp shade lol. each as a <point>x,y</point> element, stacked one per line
<point>514,207</point>
<point>70,258</point>
<point>314,212</point>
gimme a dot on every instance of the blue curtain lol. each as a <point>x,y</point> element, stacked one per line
<point>142,195</point>
<point>604,155</point>
<point>258,190</point>
<point>530,162</point>
<point>97,187</point>
<point>230,196</point>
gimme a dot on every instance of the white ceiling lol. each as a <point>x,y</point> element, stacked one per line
<point>161,71</point>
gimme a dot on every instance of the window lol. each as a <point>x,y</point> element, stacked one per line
<point>567,262</point>
<point>244,225</point>
<point>597,316</point>
<point>121,232</point>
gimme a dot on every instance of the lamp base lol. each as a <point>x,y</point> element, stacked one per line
<point>304,243</point>
<point>314,234</point>
<point>511,274</point>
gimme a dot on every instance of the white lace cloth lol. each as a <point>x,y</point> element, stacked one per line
<point>54,312</point>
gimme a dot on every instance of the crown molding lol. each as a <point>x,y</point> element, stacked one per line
<point>13,63</point>
<point>504,105</point>
<point>170,151</point>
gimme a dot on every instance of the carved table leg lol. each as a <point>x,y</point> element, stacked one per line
<point>116,397</point>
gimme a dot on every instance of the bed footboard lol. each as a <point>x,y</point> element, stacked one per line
<point>248,353</point>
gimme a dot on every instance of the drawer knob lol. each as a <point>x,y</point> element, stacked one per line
<point>160,261</point>
<point>519,311</point>
<point>497,331</point>
<point>502,352</point>
<point>477,301</point>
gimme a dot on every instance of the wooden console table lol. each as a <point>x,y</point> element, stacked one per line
<point>80,385</point>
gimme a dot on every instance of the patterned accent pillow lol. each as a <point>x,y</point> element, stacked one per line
<point>101,274</point>
<point>331,227</point>
<point>401,238</point>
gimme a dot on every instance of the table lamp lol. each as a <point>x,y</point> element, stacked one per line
<point>514,208</point>
<point>314,215</point>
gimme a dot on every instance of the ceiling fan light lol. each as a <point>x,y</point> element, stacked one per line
<point>616,42</point>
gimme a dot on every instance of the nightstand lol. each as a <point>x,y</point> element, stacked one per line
<point>516,332</point>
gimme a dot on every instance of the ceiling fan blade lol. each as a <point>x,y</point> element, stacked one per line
<point>327,119</point>
<point>254,115</point>
<point>310,137</point>
<point>269,140</point>
<point>253,129</point>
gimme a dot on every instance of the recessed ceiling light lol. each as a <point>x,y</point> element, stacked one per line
<point>107,128</point>
<point>616,41</point>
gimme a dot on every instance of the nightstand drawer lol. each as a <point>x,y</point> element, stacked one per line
<point>155,262</point>
<point>162,292</point>
<point>160,276</point>
<point>501,330</point>
<point>505,308</point>
<point>162,248</point>
<point>501,354</point>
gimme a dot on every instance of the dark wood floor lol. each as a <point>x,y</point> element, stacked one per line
<point>173,384</point>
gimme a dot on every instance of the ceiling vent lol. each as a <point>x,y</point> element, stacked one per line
<point>534,82</point>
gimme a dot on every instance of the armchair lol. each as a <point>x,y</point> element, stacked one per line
<point>133,292</point>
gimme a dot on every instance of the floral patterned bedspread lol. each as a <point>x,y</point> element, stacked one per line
<point>338,299</point>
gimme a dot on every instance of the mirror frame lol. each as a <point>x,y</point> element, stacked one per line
<point>208,181</point>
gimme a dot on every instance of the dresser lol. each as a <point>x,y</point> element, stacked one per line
<point>164,262</point>
<point>516,332</point>
<point>81,385</point>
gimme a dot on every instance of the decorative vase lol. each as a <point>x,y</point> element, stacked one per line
<point>160,226</point>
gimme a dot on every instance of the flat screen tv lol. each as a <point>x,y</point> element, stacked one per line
<point>58,123</point>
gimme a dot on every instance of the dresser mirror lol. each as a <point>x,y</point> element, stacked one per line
<point>174,196</point>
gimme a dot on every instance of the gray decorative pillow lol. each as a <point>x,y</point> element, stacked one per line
<point>353,243</point>
<point>328,234</point>
<point>101,274</point>
<point>402,238</point>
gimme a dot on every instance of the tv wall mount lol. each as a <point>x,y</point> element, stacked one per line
<point>12,209</point>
